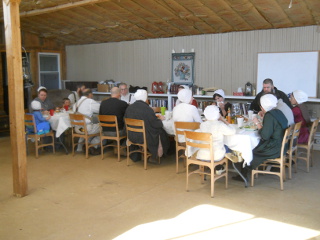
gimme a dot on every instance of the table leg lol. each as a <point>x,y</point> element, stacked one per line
<point>237,170</point>
<point>61,142</point>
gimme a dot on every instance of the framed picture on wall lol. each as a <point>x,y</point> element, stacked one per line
<point>183,68</point>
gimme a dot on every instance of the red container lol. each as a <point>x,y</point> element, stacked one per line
<point>66,108</point>
<point>51,112</point>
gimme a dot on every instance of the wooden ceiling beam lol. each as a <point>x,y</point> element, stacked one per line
<point>60,7</point>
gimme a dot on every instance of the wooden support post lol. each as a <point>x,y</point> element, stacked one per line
<point>16,104</point>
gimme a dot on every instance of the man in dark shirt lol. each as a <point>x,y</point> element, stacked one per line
<point>268,87</point>
<point>114,106</point>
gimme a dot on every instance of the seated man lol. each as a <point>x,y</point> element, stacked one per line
<point>125,95</point>
<point>268,87</point>
<point>154,127</point>
<point>87,106</point>
<point>114,106</point>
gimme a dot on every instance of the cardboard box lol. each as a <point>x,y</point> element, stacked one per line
<point>103,88</point>
<point>238,94</point>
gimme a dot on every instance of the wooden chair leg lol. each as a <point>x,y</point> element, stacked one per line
<point>37,147</point>
<point>87,148</point>
<point>118,144</point>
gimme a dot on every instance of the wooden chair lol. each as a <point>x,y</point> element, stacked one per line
<point>308,147</point>
<point>276,162</point>
<point>180,127</point>
<point>137,126</point>
<point>203,141</point>
<point>110,121</point>
<point>80,121</point>
<point>292,151</point>
<point>31,124</point>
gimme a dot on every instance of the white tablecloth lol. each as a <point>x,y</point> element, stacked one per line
<point>243,141</point>
<point>60,122</point>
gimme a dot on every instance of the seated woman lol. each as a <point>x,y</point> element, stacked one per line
<point>193,101</point>
<point>271,131</point>
<point>218,96</point>
<point>300,113</point>
<point>218,127</point>
<point>157,138</point>
<point>185,112</point>
<point>46,104</point>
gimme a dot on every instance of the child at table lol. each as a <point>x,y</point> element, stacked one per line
<point>66,104</point>
<point>218,127</point>
<point>42,124</point>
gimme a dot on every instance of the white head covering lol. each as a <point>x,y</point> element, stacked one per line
<point>35,105</point>
<point>268,102</point>
<point>141,94</point>
<point>185,95</point>
<point>212,112</point>
<point>41,87</point>
<point>220,92</point>
<point>300,96</point>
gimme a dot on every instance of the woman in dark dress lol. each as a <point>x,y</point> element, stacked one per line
<point>301,114</point>
<point>218,96</point>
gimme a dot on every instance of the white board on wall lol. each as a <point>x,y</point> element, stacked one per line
<point>289,71</point>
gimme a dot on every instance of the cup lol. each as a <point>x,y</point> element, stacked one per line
<point>51,112</point>
<point>240,122</point>
<point>254,116</point>
<point>250,113</point>
<point>163,110</point>
<point>66,108</point>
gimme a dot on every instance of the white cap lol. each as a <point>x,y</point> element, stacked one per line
<point>41,87</point>
<point>300,96</point>
<point>268,102</point>
<point>212,112</point>
<point>220,92</point>
<point>141,94</point>
<point>185,95</point>
<point>35,105</point>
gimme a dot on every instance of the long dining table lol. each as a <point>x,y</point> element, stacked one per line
<point>244,141</point>
<point>60,122</point>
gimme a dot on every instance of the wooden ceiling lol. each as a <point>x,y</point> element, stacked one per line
<point>73,22</point>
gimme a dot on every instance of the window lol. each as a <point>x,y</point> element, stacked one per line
<point>49,70</point>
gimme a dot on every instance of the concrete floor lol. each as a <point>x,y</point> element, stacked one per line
<point>77,198</point>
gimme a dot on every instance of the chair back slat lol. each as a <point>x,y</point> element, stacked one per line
<point>198,140</point>
<point>135,125</point>
<point>285,141</point>
<point>77,119</point>
<point>108,121</point>
<point>295,135</point>
<point>29,121</point>
<point>180,127</point>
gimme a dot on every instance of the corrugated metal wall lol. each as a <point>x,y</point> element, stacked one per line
<point>225,61</point>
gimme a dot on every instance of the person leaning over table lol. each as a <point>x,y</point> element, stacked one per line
<point>185,112</point>
<point>114,106</point>
<point>285,110</point>
<point>301,113</point>
<point>223,106</point>
<point>76,95</point>
<point>268,87</point>
<point>271,131</point>
<point>155,133</point>
<point>125,95</point>
<point>46,104</point>
<point>218,127</point>
<point>87,106</point>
